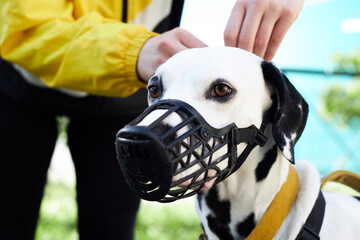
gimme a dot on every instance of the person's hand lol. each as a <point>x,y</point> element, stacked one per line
<point>158,49</point>
<point>259,26</point>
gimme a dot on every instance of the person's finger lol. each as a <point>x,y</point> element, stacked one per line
<point>250,27</point>
<point>170,46</point>
<point>189,40</point>
<point>278,33</point>
<point>234,24</point>
<point>178,40</point>
<point>264,33</point>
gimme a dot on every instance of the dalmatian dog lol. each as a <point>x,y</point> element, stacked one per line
<point>227,85</point>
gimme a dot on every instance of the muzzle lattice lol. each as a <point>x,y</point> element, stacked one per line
<point>165,163</point>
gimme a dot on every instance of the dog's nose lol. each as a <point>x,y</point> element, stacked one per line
<point>144,161</point>
<point>161,128</point>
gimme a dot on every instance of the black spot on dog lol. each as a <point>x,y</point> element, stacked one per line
<point>222,231</point>
<point>263,168</point>
<point>199,197</point>
<point>219,220</point>
<point>221,209</point>
<point>245,227</point>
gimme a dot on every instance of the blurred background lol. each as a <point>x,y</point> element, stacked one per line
<point>320,55</point>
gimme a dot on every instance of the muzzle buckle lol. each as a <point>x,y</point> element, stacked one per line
<point>249,135</point>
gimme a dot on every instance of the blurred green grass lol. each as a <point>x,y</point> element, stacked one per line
<point>58,213</point>
<point>155,221</point>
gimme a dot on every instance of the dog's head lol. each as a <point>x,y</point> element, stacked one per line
<point>231,85</point>
<point>225,86</point>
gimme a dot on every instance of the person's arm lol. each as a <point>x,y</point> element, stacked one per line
<point>92,53</point>
<point>259,26</point>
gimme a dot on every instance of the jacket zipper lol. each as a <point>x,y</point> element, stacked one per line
<point>124,11</point>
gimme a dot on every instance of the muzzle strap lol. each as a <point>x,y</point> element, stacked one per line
<point>251,135</point>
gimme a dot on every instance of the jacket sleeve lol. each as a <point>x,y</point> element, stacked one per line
<point>92,54</point>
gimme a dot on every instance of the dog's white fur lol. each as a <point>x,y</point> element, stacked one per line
<point>187,76</point>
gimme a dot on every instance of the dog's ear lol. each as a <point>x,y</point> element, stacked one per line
<point>289,110</point>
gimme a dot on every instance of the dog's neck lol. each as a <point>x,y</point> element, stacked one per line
<point>249,191</point>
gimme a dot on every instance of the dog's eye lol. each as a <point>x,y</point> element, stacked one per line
<point>222,90</point>
<point>154,91</point>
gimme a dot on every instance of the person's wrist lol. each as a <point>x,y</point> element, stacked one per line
<point>141,70</point>
<point>132,55</point>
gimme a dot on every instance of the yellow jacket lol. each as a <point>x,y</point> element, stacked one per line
<point>76,44</point>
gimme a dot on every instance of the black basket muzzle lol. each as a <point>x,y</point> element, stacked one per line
<point>162,161</point>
